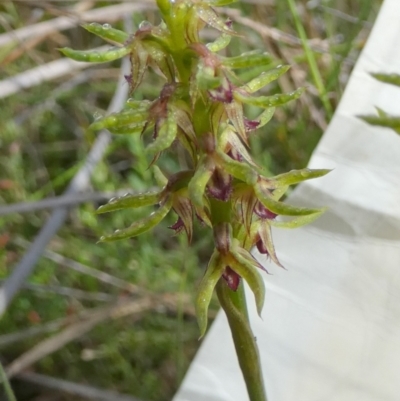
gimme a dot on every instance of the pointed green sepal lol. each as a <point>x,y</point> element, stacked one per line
<point>130,201</point>
<point>393,79</point>
<point>211,18</point>
<point>95,56</point>
<point>159,176</point>
<point>383,121</point>
<point>222,3</point>
<point>298,221</point>
<point>265,234</point>
<point>220,43</point>
<point>265,78</point>
<point>206,289</point>
<point>265,117</point>
<point>198,183</point>
<point>248,271</point>
<point>268,101</point>
<point>242,171</point>
<point>279,207</point>
<point>254,58</point>
<point>125,119</point>
<point>296,176</point>
<point>166,135</point>
<point>206,80</point>
<point>141,226</point>
<point>106,32</point>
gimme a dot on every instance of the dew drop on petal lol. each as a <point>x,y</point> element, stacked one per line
<point>145,25</point>
<point>117,231</point>
<point>102,238</point>
<point>127,194</point>
<point>112,200</point>
<point>97,115</point>
<point>106,26</point>
<point>94,24</point>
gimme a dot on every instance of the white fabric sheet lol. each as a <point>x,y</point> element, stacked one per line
<point>331,323</point>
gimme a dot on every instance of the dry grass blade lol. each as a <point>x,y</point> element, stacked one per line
<point>133,308</point>
<point>75,389</point>
<point>68,292</point>
<point>78,329</point>
<point>81,268</point>
<point>49,327</point>
<point>58,201</point>
<point>103,14</point>
<point>38,75</point>
<point>79,183</point>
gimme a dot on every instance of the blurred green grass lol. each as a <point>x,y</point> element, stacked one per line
<point>42,144</point>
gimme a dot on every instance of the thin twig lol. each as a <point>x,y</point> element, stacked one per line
<point>278,35</point>
<point>81,268</point>
<point>124,307</point>
<point>76,330</point>
<point>101,14</point>
<point>79,183</point>
<point>80,390</point>
<point>43,73</point>
<point>11,338</point>
<point>58,201</point>
<point>67,291</point>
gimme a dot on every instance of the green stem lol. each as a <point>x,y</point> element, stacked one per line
<point>234,305</point>
<point>310,59</point>
<point>6,384</point>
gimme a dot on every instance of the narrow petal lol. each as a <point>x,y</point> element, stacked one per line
<point>140,226</point>
<point>298,221</point>
<point>234,111</point>
<point>268,101</point>
<point>166,135</point>
<point>197,184</point>
<point>281,208</point>
<point>240,170</point>
<point>253,58</point>
<point>95,56</point>
<point>122,119</point>
<point>250,274</point>
<point>183,208</point>
<point>220,43</point>
<point>130,201</point>
<point>106,32</point>
<point>296,176</point>
<point>210,17</point>
<point>265,234</point>
<point>206,289</point>
<point>139,62</point>
<point>265,78</point>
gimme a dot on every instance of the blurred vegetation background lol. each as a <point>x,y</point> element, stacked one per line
<point>119,316</point>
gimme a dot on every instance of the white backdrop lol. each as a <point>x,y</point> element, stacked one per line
<point>331,323</point>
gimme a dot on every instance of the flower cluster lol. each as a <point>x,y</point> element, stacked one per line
<point>201,109</point>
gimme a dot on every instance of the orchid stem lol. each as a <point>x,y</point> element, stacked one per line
<point>234,305</point>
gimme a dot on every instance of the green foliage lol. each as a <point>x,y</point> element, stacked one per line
<point>383,119</point>
<point>43,143</point>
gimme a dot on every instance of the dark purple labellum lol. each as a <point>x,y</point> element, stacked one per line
<point>128,78</point>
<point>261,211</point>
<point>178,226</point>
<point>261,247</point>
<point>251,125</point>
<point>231,278</point>
<point>235,155</point>
<point>224,93</point>
<point>220,185</point>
